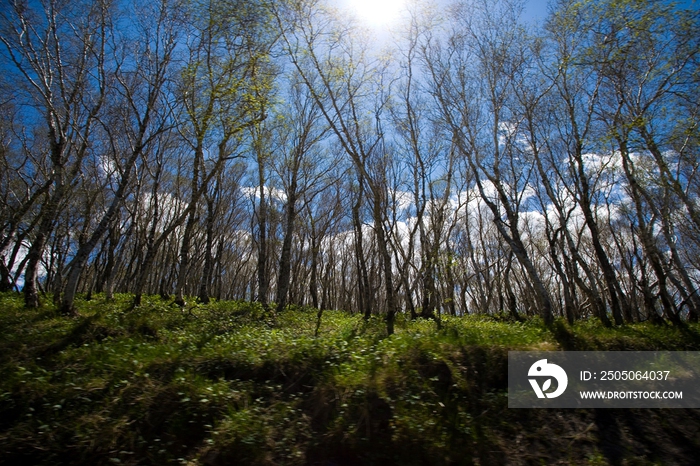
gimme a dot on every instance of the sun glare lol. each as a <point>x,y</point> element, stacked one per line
<point>377,12</point>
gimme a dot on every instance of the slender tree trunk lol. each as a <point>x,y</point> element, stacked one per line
<point>313,279</point>
<point>646,236</point>
<point>78,263</point>
<point>205,283</point>
<point>326,300</point>
<point>511,234</point>
<point>145,267</point>
<point>286,254</point>
<point>143,275</point>
<point>385,256</point>
<point>6,283</point>
<point>183,274</point>
<point>111,266</point>
<point>263,273</point>
<point>36,250</point>
<point>189,226</point>
<point>450,283</point>
<point>603,260</point>
<point>48,214</point>
<point>363,277</point>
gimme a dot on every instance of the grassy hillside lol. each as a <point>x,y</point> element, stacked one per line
<point>227,384</point>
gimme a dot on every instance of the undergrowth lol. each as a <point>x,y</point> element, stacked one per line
<point>228,383</point>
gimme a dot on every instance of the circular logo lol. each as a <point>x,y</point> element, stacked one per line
<point>543,369</point>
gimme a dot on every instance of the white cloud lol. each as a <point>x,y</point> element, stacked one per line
<point>270,193</point>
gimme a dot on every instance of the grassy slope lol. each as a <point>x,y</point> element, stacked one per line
<point>223,384</point>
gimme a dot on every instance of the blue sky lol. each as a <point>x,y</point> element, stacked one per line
<point>537,9</point>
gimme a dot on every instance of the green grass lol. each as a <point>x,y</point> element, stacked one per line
<point>228,383</point>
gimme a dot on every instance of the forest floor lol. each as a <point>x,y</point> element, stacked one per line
<point>226,383</point>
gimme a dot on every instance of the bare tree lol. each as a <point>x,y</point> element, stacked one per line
<point>224,88</point>
<point>301,167</point>
<point>141,72</point>
<point>647,60</point>
<point>57,51</point>
<point>347,85</point>
<point>473,82</point>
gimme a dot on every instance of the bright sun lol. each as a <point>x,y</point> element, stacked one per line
<point>377,12</point>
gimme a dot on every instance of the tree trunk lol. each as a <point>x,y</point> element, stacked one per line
<point>36,251</point>
<point>111,267</point>
<point>183,272</point>
<point>205,284</point>
<point>263,274</point>
<point>285,264</point>
<point>313,280</point>
<point>512,236</point>
<point>383,247</point>
<point>363,287</point>
<point>585,203</point>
